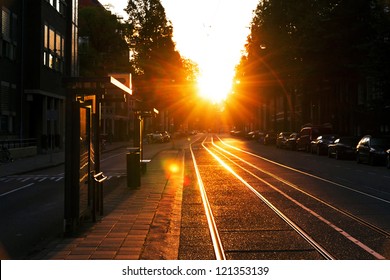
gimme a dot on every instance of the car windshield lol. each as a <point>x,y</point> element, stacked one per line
<point>380,141</point>
<point>328,136</point>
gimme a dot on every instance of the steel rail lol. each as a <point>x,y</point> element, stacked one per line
<point>341,211</point>
<point>307,174</point>
<point>215,238</point>
<point>293,225</point>
<point>336,228</point>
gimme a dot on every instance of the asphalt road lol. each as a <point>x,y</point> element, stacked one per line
<point>249,231</point>
<point>31,210</point>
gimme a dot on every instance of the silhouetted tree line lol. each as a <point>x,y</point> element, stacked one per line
<point>318,61</point>
<point>143,46</point>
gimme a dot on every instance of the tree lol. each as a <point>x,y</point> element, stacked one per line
<point>318,52</point>
<point>104,47</point>
<point>163,78</point>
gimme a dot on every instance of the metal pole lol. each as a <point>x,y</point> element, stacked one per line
<point>141,128</point>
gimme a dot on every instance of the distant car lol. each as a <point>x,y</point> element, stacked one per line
<point>260,137</point>
<point>166,136</point>
<point>310,133</point>
<point>270,138</point>
<point>155,138</point>
<point>237,133</point>
<point>343,147</point>
<point>291,143</point>
<point>372,149</point>
<point>319,146</point>
<point>252,135</point>
<point>281,139</point>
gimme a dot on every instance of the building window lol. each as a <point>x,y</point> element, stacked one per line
<point>8,34</point>
<point>59,5</point>
<point>7,107</point>
<point>62,7</point>
<point>53,49</point>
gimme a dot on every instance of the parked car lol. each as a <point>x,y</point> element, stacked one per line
<point>388,158</point>
<point>260,137</point>
<point>166,136</point>
<point>270,138</point>
<point>343,147</point>
<point>281,139</point>
<point>319,146</point>
<point>310,133</point>
<point>372,149</point>
<point>252,135</point>
<point>291,143</point>
<point>155,138</point>
<point>237,133</point>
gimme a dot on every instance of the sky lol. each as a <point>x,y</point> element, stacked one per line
<point>212,33</point>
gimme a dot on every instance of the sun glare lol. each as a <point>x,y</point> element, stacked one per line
<point>213,87</point>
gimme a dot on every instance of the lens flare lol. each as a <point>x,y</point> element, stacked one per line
<point>170,167</point>
<point>173,168</point>
<point>214,85</point>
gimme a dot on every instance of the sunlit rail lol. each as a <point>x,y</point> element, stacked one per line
<point>293,225</point>
<point>224,152</point>
<point>216,240</point>
<point>344,212</point>
<point>230,161</point>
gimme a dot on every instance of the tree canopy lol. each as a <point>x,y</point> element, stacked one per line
<point>312,48</point>
<point>164,79</point>
<point>103,47</point>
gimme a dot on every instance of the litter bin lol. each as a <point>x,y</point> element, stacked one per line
<point>133,168</point>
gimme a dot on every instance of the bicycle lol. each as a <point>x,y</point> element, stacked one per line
<point>5,155</point>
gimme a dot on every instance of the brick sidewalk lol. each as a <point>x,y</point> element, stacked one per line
<point>140,223</point>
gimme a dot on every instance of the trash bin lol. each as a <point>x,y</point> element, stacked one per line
<point>133,168</point>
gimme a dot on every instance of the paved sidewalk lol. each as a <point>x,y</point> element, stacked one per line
<point>139,223</point>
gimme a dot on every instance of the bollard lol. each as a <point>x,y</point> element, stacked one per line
<point>133,168</point>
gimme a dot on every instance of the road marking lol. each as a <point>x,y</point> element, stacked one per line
<point>38,178</point>
<point>18,189</point>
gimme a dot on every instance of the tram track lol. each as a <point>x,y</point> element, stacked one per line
<point>216,240</point>
<point>344,212</point>
<point>232,163</point>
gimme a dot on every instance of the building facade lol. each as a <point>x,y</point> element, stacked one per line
<point>38,49</point>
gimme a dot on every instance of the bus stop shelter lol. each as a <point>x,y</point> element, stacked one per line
<point>83,176</point>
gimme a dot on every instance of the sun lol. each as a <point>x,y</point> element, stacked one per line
<point>214,86</point>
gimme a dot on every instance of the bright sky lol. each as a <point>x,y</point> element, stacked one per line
<point>210,32</point>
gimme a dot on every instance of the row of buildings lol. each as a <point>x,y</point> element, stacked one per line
<point>38,49</point>
<point>350,108</point>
